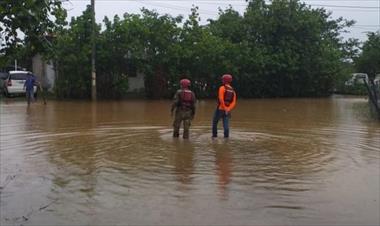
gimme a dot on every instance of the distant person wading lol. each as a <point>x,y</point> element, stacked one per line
<point>29,84</point>
<point>184,107</point>
<point>226,102</point>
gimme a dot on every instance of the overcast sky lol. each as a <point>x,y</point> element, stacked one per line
<point>366,13</point>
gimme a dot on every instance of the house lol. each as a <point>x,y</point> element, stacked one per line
<point>136,83</point>
<point>47,74</point>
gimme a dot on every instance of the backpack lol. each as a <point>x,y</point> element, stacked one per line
<point>229,95</point>
<point>186,99</point>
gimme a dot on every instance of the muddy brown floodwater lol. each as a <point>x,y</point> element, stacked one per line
<point>287,162</point>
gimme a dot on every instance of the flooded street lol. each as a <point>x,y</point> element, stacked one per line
<point>287,162</point>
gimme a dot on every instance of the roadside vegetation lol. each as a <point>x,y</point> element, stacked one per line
<point>278,49</point>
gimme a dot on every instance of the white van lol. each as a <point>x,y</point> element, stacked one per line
<point>357,78</point>
<point>377,80</point>
<point>14,84</point>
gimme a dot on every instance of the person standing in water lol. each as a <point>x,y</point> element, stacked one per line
<point>226,102</point>
<point>184,107</point>
<point>29,84</point>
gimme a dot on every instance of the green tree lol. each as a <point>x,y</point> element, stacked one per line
<point>369,59</point>
<point>277,49</point>
<point>295,50</point>
<point>72,49</point>
<point>27,23</point>
<point>161,52</point>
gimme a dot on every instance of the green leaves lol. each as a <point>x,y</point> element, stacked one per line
<point>277,49</point>
<point>369,60</point>
<point>32,19</point>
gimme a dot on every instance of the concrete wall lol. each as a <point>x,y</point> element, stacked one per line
<point>49,76</point>
<point>44,72</point>
<point>38,68</point>
<point>136,84</point>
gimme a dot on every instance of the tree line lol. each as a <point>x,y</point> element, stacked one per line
<point>278,49</point>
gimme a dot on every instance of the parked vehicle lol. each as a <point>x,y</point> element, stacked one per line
<point>377,80</point>
<point>14,84</point>
<point>357,78</point>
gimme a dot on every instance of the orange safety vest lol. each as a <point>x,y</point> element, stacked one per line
<point>226,98</point>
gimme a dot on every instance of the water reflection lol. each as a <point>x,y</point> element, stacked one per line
<point>223,162</point>
<point>184,161</point>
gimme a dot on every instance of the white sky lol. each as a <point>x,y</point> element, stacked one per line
<point>366,13</point>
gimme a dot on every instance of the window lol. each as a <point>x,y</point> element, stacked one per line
<point>18,76</point>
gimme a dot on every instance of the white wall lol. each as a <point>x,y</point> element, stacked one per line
<point>136,84</point>
<point>44,71</point>
<point>49,76</point>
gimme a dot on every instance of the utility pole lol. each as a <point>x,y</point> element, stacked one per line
<point>93,69</point>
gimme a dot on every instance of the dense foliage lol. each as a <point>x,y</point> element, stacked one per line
<point>366,61</point>
<point>369,59</point>
<point>25,26</point>
<point>278,49</point>
<point>72,53</point>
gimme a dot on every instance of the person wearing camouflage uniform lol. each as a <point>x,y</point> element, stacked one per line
<point>184,107</point>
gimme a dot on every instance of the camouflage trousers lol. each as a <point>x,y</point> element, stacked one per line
<point>184,116</point>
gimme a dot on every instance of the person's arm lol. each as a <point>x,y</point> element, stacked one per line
<point>27,80</point>
<point>175,102</point>
<point>233,103</point>
<point>222,89</point>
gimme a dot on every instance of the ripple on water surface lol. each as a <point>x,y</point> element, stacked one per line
<point>269,171</point>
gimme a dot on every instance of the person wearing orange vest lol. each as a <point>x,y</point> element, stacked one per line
<point>226,102</point>
<point>184,106</point>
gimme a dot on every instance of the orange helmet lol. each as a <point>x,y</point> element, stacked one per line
<point>185,83</point>
<point>227,79</point>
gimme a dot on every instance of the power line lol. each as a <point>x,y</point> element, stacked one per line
<point>348,6</point>
<point>228,3</point>
<point>366,25</point>
<point>158,0</point>
<point>176,7</point>
<point>355,10</point>
<point>362,28</point>
<point>341,0</point>
<point>160,4</point>
<point>217,0</point>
